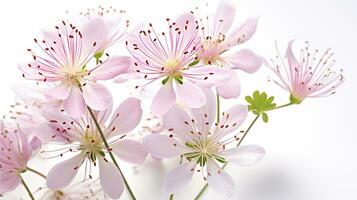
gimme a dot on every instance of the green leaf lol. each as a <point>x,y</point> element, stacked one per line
<point>265,117</point>
<point>165,80</point>
<point>259,103</point>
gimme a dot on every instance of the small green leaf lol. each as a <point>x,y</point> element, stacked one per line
<point>265,117</point>
<point>294,100</point>
<point>165,80</point>
<point>259,103</point>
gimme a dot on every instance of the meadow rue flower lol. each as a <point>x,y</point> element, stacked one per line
<point>218,38</point>
<point>63,59</point>
<point>109,22</point>
<point>309,75</point>
<point>202,145</point>
<point>16,149</point>
<point>167,57</point>
<point>80,138</point>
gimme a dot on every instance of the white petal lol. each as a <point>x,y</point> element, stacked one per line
<point>74,105</point>
<point>219,180</point>
<point>231,88</point>
<point>61,91</point>
<point>178,120</point>
<point>163,100</point>
<point>178,178</point>
<point>64,172</point>
<point>111,68</point>
<point>191,95</point>
<point>130,150</point>
<point>161,146</point>
<point>245,60</point>
<point>244,155</point>
<point>110,179</point>
<point>97,96</point>
<point>223,18</point>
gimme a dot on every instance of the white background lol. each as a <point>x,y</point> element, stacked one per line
<point>310,148</point>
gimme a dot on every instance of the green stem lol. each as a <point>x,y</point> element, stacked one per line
<point>110,153</point>
<point>27,188</point>
<point>218,108</point>
<point>36,172</point>
<point>225,164</point>
<point>171,197</point>
<point>282,106</point>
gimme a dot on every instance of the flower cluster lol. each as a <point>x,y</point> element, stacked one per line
<point>191,65</point>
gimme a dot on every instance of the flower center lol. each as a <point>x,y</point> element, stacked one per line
<point>74,75</point>
<point>172,64</point>
<point>92,145</point>
<point>202,150</point>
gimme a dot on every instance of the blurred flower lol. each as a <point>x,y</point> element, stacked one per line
<point>80,138</point>
<point>310,76</point>
<point>16,149</point>
<point>203,144</point>
<point>88,190</point>
<point>64,60</point>
<point>218,38</point>
<point>168,56</point>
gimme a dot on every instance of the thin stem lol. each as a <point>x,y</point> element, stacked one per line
<point>218,108</point>
<point>225,164</point>
<point>171,197</point>
<point>27,188</point>
<point>110,153</point>
<point>282,106</point>
<point>36,172</point>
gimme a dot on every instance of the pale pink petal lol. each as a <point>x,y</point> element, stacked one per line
<point>61,91</point>
<point>293,63</point>
<point>64,172</point>
<point>130,150</point>
<point>93,31</point>
<point>231,120</point>
<point>126,117</point>
<point>191,95</point>
<point>179,122</point>
<point>219,180</point>
<point>97,96</point>
<point>206,115</point>
<point>245,60</point>
<point>111,68</point>
<point>187,24</point>
<point>163,99</point>
<point>8,183</point>
<point>161,146</point>
<point>178,178</point>
<point>35,144</point>
<point>242,33</point>
<point>207,76</point>
<point>74,105</point>
<point>245,155</point>
<point>230,88</point>
<point>223,18</point>
<point>110,178</point>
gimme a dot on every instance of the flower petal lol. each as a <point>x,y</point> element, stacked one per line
<point>64,172</point>
<point>204,116</point>
<point>230,88</point>
<point>74,105</point>
<point>223,18</point>
<point>207,76</point>
<point>130,150</point>
<point>161,146</point>
<point>219,180</point>
<point>111,68</point>
<point>8,183</point>
<point>178,178</point>
<point>61,91</point>
<point>244,155</point>
<point>126,117</point>
<point>245,60</point>
<point>191,95</point>
<point>97,96</point>
<point>110,178</point>
<point>231,120</point>
<point>293,63</point>
<point>163,100</point>
<point>243,33</point>
<point>177,120</point>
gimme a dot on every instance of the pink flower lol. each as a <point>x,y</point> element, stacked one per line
<point>64,61</point>
<point>311,76</point>
<point>108,22</point>
<point>202,144</point>
<point>166,57</point>
<point>218,38</point>
<point>81,139</point>
<point>16,149</point>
